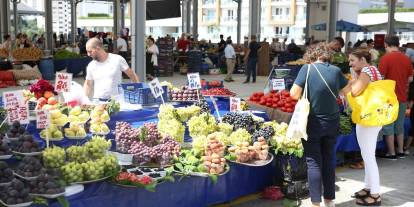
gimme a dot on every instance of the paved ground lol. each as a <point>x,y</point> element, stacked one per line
<point>397,180</point>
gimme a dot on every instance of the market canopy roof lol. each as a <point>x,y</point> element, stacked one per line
<point>399,26</point>
<point>341,25</point>
<point>23,8</point>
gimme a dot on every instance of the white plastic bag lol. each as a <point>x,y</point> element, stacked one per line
<point>76,94</point>
<point>299,121</point>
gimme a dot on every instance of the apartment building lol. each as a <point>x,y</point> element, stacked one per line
<point>279,18</point>
<point>61,16</point>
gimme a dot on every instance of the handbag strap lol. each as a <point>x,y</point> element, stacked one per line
<point>305,92</point>
<point>324,81</point>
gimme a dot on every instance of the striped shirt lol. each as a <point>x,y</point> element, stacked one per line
<point>370,70</point>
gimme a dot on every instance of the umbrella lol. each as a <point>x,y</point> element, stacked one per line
<point>399,26</point>
<point>342,26</point>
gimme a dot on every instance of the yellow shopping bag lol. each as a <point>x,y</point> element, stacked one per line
<point>376,106</point>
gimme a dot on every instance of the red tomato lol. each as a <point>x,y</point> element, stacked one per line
<point>275,100</point>
<point>287,104</point>
<point>280,103</point>
<point>268,104</point>
<point>274,105</point>
<point>283,109</point>
<point>290,110</point>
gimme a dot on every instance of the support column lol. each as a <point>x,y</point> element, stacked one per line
<point>195,19</point>
<point>254,18</point>
<point>307,28</point>
<point>183,16</point>
<point>116,15</point>
<point>122,14</point>
<point>138,18</point>
<point>188,17</point>
<point>49,25</point>
<point>332,17</point>
<point>239,9</point>
<point>5,18</point>
<point>15,17</point>
<point>391,14</point>
<point>73,14</point>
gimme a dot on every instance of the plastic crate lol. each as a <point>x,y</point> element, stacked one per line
<point>140,93</point>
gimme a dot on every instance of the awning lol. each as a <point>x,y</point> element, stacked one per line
<point>24,9</point>
<point>399,26</point>
<point>341,25</point>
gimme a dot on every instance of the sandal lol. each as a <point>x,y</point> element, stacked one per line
<point>364,202</point>
<point>362,194</point>
<point>358,165</point>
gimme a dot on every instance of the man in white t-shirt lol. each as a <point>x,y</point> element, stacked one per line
<point>105,71</point>
<point>122,47</point>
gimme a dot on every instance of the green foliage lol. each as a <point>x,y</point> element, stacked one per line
<point>384,10</point>
<point>98,15</point>
<point>64,54</point>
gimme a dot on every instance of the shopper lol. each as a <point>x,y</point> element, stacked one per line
<point>7,42</point>
<point>152,57</point>
<point>251,59</point>
<point>104,72</point>
<point>183,44</point>
<point>396,66</point>
<point>407,143</point>
<point>122,47</point>
<point>360,60</point>
<point>230,60</point>
<point>323,120</point>
<point>284,45</point>
<point>276,46</point>
<point>221,46</point>
<point>374,53</point>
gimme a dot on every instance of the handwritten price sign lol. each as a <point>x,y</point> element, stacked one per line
<point>13,100</point>
<point>235,104</point>
<point>42,119</point>
<point>194,80</point>
<point>63,82</point>
<point>156,88</point>
<point>278,84</point>
<point>24,114</point>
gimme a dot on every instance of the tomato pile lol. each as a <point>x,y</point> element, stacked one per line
<point>214,83</point>
<point>218,92</point>
<point>278,100</point>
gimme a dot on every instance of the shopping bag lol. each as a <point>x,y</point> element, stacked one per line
<point>299,121</point>
<point>376,106</point>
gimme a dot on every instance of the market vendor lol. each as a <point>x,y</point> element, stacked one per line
<point>105,71</point>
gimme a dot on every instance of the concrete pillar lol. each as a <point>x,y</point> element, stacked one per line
<point>4,18</point>
<point>308,11</point>
<point>254,18</point>
<point>183,15</point>
<point>122,14</point>
<point>391,14</point>
<point>73,28</point>
<point>15,17</point>
<point>116,15</point>
<point>138,18</point>
<point>188,17</point>
<point>49,25</point>
<point>239,9</point>
<point>332,17</point>
<point>195,19</point>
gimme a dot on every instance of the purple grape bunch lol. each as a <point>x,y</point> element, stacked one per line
<point>125,135</point>
<point>149,134</point>
<point>162,153</point>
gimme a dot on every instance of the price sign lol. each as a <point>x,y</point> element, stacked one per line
<point>42,119</point>
<point>12,101</point>
<point>63,82</point>
<point>23,111</point>
<point>194,80</point>
<point>278,84</point>
<point>156,88</point>
<point>235,104</point>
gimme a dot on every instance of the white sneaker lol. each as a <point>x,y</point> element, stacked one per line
<point>329,204</point>
<point>407,152</point>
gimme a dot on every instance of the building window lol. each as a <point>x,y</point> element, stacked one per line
<point>230,14</point>
<point>287,12</point>
<point>287,30</point>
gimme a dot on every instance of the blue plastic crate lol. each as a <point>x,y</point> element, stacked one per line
<point>140,93</point>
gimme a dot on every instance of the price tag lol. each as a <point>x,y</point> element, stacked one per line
<point>42,119</point>
<point>235,104</point>
<point>63,82</point>
<point>278,84</point>
<point>24,113</point>
<point>194,80</point>
<point>12,102</point>
<point>156,88</point>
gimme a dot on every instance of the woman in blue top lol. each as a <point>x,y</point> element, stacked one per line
<point>325,81</point>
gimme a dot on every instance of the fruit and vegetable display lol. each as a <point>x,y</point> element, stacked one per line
<point>77,115</point>
<point>53,133</point>
<point>4,147</point>
<point>42,89</point>
<point>30,53</point>
<point>4,53</point>
<point>16,130</point>
<point>29,167</point>
<point>240,135</point>
<point>213,159</point>
<point>218,92</point>
<point>183,94</point>
<point>133,179</point>
<point>146,144</point>
<point>202,125</point>
<point>277,100</point>
<point>65,54</point>
<point>98,118</point>
<point>46,184</point>
<point>280,143</point>
<point>15,193</point>
<point>169,123</point>
<point>240,121</point>
<point>244,152</point>
<point>6,173</point>
<point>266,132</point>
<point>211,84</point>
<point>205,108</point>
<point>25,144</point>
<point>54,157</point>
<point>185,113</point>
<point>75,130</point>
<point>297,62</point>
<point>58,118</point>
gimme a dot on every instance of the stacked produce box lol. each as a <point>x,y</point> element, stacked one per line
<point>165,58</point>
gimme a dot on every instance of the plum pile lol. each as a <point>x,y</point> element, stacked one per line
<point>185,94</point>
<point>26,144</point>
<point>15,193</point>
<point>4,147</point>
<point>45,184</point>
<point>16,130</point>
<point>6,174</point>
<point>29,167</point>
